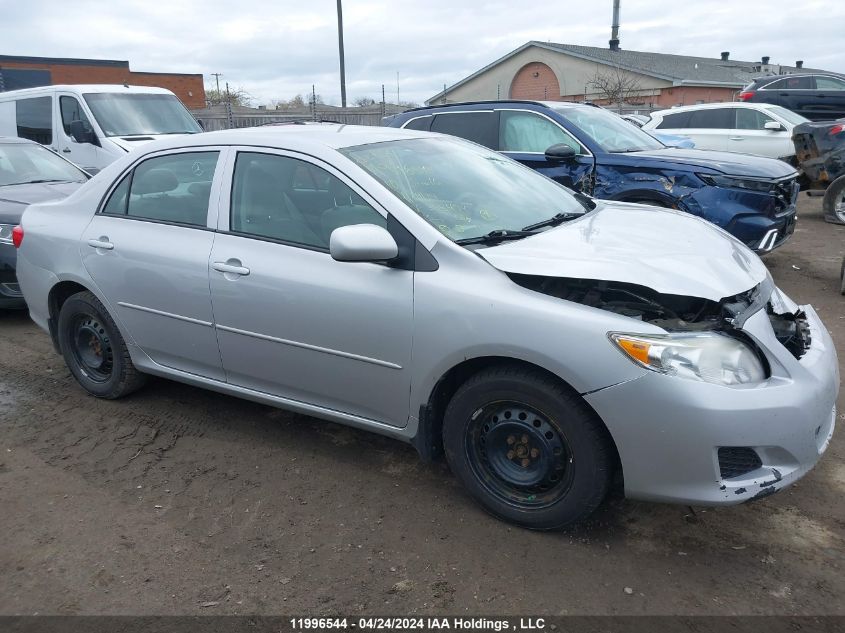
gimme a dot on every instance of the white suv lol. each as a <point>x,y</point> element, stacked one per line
<point>750,128</point>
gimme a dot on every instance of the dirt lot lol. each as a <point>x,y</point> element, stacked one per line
<point>180,501</point>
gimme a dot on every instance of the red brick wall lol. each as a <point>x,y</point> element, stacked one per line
<point>535,81</point>
<point>189,88</point>
<point>668,97</point>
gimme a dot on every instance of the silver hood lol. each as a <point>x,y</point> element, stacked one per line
<point>668,251</point>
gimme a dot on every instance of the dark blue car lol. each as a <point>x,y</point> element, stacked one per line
<point>594,151</point>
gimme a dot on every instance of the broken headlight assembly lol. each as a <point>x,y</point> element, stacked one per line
<point>708,356</point>
<point>763,185</point>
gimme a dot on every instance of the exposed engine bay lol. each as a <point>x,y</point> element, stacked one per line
<point>676,313</point>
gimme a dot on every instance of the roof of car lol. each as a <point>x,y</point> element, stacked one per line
<point>708,106</point>
<point>294,137</point>
<point>86,88</point>
<point>15,139</point>
<point>500,102</point>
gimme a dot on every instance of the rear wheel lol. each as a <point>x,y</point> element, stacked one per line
<point>526,448</point>
<point>94,350</point>
<point>834,201</point>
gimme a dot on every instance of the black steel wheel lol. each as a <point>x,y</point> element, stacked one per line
<point>527,448</point>
<point>93,348</point>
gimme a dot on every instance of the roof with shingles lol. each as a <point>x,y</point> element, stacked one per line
<point>681,70</point>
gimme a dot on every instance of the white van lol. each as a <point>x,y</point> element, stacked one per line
<point>93,125</point>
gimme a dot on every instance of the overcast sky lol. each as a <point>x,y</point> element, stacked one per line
<point>278,48</point>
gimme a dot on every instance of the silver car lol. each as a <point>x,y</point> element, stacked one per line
<point>431,290</point>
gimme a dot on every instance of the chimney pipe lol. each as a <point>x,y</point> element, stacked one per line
<point>725,55</point>
<point>766,60</point>
<point>799,63</point>
<point>614,31</point>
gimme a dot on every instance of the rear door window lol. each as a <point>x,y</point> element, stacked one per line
<point>712,118</point>
<point>175,188</point>
<point>478,127</point>
<point>792,83</point>
<point>529,132</point>
<point>35,119</point>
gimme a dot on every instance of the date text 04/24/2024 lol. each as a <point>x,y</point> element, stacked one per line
<point>417,623</point>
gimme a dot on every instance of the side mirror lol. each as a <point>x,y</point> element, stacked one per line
<point>80,134</point>
<point>773,126</point>
<point>362,243</point>
<point>560,153</point>
<point>201,124</point>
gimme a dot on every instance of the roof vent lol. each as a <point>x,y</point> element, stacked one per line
<point>799,63</point>
<point>725,55</point>
<point>614,30</point>
<point>766,60</point>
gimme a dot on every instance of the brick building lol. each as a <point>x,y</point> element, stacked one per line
<point>567,72</point>
<point>29,72</point>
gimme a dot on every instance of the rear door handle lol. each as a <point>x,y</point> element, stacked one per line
<point>231,266</point>
<point>737,138</point>
<point>102,242</point>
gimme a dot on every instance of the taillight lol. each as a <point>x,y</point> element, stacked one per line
<point>17,236</point>
<point>836,129</point>
<point>746,95</point>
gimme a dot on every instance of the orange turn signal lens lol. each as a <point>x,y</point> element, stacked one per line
<point>638,350</point>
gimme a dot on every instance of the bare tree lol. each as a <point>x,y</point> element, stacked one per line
<point>298,102</point>
<point>363,102</point>
<point>615,85</point>
<point>237,97</point>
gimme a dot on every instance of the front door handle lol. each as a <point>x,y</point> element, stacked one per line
<point>101,242</point>
<point>737,138</point>
<point>66,150</point>
<point>230,267</point>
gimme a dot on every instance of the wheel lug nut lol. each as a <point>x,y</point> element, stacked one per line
<point>525,463</point>
<point>511,439</point>
<point>510,454</point>
<point>525,439</point>
<point>535,452</point>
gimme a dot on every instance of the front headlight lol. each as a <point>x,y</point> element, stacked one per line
<point>733,182</point>
<point>708,356</point>
<point>6,233</point>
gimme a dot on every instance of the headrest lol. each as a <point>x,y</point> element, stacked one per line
<point>154,181</point>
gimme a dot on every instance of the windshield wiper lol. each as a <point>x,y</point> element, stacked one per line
<point>499,235</point>
<point>39,181</point>
<point>556,219</point>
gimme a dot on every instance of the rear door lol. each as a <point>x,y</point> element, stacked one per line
<point>831,96</point>
<point>147,251</point>
<point>525,136</point>
<point>797,94</point>
<point>710,128</point>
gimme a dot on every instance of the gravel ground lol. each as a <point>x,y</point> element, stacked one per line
<point>183,501</point>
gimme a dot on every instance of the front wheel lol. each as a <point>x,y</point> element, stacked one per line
<point>94,350</point>
<point>834,202</point>
<point>526,448</point>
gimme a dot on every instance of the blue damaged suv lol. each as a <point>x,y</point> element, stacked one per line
<point>592,150</point>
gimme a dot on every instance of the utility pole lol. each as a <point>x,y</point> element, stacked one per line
<point>340,48</point>
<point>217,78</point>
<point>397,87</point>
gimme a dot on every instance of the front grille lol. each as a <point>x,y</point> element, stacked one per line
<point>735,461</point>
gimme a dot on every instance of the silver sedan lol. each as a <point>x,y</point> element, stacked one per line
<point>434,291</point>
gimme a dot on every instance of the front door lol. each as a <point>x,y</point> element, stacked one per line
<point>525,136</point>
<point>752,137</point>
<point>89,156</point>
<point>147,251</point>
<point>293,322</point>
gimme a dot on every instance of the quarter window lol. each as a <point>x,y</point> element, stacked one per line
<point>71,111</point>
<point>422,123</point>
<point>35,119</point>
<point>173,188</point>
<point>678,120</point>
<point>529,132</point>
<point>266,203</point>
<point>478,127</point>
<point>749,119</point>
<point>829,83</point>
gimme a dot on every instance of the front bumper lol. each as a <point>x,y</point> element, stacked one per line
<point>10,292</point>
<point>668,430</point>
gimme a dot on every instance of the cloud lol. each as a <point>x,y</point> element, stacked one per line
<point>282,48</point>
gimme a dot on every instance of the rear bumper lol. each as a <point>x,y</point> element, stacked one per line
<point>668,430</point>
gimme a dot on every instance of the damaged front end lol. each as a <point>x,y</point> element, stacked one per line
<point>820,152</point>
<point>678,313</point>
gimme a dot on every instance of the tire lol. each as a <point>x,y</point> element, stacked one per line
<point>94,350</point>
<point>842,278</point>
<point>834,202</point>
<point>526,448</point>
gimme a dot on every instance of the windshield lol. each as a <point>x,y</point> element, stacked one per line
<point>23,163</point>
<point>463,189</point>
<point>788,115</point>
<point>130,114</point>
<point>609,131</point>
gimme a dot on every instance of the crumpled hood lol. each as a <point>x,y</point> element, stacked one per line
<point>729,163</point>
<point>15,198</point>
<point>668,251</point>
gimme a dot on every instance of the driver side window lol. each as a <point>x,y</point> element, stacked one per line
<point>529,132</point>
